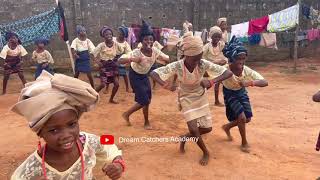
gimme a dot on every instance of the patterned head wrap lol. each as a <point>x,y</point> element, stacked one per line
<point>9,35</point>
<point>214,30</point>
<point>191,45</point>
<point>41,41</point>
<point>233,49</point>
<point>104,29</point>
<point>80,28</point>
<point>49,94</point>
<point>146,30</point>
<point>220,20</point>
<point>124,30</point>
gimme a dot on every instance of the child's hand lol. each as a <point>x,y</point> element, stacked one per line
<point>113,171</point>
<point>205,83</point>
<point>246,83</point>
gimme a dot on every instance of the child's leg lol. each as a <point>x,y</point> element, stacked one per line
<point>153,84</point>
<point>89,75</point>
<point>114,90</point>
<point>21,76</point>
<point>5,82</point>
<point>76,75</point>
<point>147,125</point>
<point>242,129</point>
<point>201,130</point>
<point>216,94</point>
<point>126,82</point>
<point>106,90</point>
<point>126,115</point>
<point>101,86</point>
<point>195,132</point>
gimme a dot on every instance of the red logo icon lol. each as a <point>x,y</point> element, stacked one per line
<point>107,139</point>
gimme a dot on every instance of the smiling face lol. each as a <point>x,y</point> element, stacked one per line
<point>13,40</point>
<point>147,42</point>
<point>239,62</point>
<point>108,35</point>
<point>216,37</point>
<point>61,131</point>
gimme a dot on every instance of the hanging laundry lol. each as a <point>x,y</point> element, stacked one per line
<point>254,39</point>
<point>240,30</point>
<point>258,25</point>
<point>269,40</point>
<point>284,20</point>
<point>197,33</point>
<point>42,25</point>
<point>306,11</point>
<point>313,34</point>
<point>315,16</point>
<point>302,35</point>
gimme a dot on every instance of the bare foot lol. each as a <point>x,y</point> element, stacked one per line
<point>245,148</point>
<point>219,104</point>
<point>227,131</point>
<point>125,116</point>
<point>147,126</point>
<point>204,160</point>
<point>113,102</point>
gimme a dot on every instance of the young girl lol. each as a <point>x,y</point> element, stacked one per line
<point>212,51</point>
<point>12,54</point>
<point>42,57</point>
<point>236,99</point>
<point>68,153</point>
<point>222,23</point>
<point>192,95</point>
<point>121,40</point>
<point>106,55</point>
<point>141,62</point>
<point>81,48</point>
<point>316,98</point>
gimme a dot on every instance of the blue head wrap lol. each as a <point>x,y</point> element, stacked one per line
<point>104,29</point>
<point>41,41</point>
<point>80,28</point>
<point>233,49</point>
<point>124,30</point>
<point>146,30</point>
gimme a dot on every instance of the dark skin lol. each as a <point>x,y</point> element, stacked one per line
<point>82,36</point>
<point>316,97</point>
<point>191,62</point>
<point>237,68</point>
<point>215,40</point>
<point>109,43</point>
<point>120,39</point>
<point>146,49</point>
<point>223,26</point>
<point>61,133</point>
<point>13,43</point>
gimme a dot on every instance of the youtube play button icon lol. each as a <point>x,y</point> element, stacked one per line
<point>106,139</point>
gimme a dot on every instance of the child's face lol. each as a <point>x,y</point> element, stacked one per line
<point>147,42</point>
<point>83,34</point>
<point>216,38</point>
<point>120,35</point>
<point>193,61</point>
<point>240,61</point>
<point>13,40</point>
<point>40,45</point>
<point>61,131</point>
<point>223,26</point>
<point>108,35</point>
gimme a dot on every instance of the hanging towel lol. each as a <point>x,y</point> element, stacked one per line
<point>258,25</point>
<point>313,34</point>
<point>254,39</point>
<point>131,37</point>
<point>284,20</point>
<point>269,40</point>
<point>240,30</point>
<point>306,11</point>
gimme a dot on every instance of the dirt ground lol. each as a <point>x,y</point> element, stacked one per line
<point>282,135</point>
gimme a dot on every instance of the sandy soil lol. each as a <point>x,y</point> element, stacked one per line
<point>282,134</point>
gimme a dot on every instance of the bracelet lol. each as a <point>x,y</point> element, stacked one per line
<point>212,83</point>
<point>121,162</point>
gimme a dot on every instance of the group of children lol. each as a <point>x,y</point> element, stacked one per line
<point>71,154</point>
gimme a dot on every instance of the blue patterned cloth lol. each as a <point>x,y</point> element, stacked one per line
<point>233,49</point>
<point>42,25</point>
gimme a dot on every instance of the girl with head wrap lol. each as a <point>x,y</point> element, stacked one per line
<point>222,23</point>
<point>236,99</point>
<point>121,39</point>
<point>81,48</point>
<point>106,56</point>
<point>53,106</point>
<point>141,61</point>
<point>42,57</point>
<point>212,51</point>
<point>192,95</point>
<point>13,54</point>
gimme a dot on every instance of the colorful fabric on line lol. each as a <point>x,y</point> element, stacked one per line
<point>240,30</point>
<point>315,16</point>
<point>258,25</point>
<point>254,39</point>
<point>284,20</point>
<point>306,11</point>
<point>42,25</point>
<point>268,40</point>
<point>237,102</point>
<point>313,34</point>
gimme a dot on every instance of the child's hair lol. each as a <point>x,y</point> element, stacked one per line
<point>41,41</point>
<point>146,30</point>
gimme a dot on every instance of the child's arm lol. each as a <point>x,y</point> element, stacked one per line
<point>316,97</point>
<point>209,83</point>
<point>130,57</point>
<point>161,74</point>
<point>74,53</point>
<point>257,79</point>
<point>115,169</point>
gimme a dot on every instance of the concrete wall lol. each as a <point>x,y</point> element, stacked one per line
<point>165,13</point>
